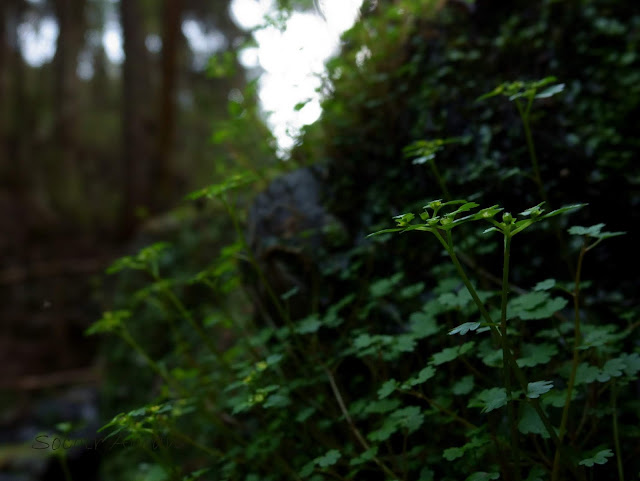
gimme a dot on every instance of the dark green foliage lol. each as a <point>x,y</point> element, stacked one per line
<point>463,342</point>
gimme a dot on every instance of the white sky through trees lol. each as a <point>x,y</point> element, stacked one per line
<point>291,60</point>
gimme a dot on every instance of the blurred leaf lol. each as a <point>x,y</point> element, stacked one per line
<point>599,458</point>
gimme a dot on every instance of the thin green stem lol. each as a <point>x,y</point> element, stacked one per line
<point>616,432</point>
<point>524,116</point>
<point>65,467</point>
<point>442,409</point>
<point>506,350</point>
<point>254,263</point>
<point>126,336</point>
<point>356,432</point>
<point>441,182</point>
<point>184,312</point>
<point>574,364</point>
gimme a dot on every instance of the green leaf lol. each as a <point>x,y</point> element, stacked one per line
<point>537,473</point>
<point>196,474</point>
<point>412,290</point>
<point>409,418</point>
<point>365,457</point>
<point>534,211</point>
<point>111,321</point>
<point>530,422</point>
<point>308,468</point>
<point>384,231</point>
<point>597,336</point>
<point>536,354</point>
<point>463,386</point>
<point>387,388</point>
<point>305,414</point>
<point>423,324</point>
<point>383,287</point>
<point>309,325</point>
<point>535,389</point>
<point>363,341</point>
<point>632,363</point>
<point>380,406</point>
<point>451,454</point>
<point>156,473</point>
<point>403,220</point>
<point>329,459</point>
<point>599,458</point>
<point>455,300</point>
<point>426,474</point>
<point>563,210</point>
<point>450,353</point>
<point>423,376</point>
<point>231,182</point>
<point>545,285</point>
<point>586,374</point>
<point>482,476</point>
<point>593,231</point>
<point>300,105</point>
<point>550,91</point>
<point>535,305</point>
<point>611,368</point>
<point>558,399</point>
<point>490,399</point>
<point>487,213</point>
<point>463,329</point>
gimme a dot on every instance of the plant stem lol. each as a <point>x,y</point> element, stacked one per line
<point>184,312</point>
<point>354,429</point>
<point>574,364</point>
<point>506,350</point>
<point>441,183</point>
<point>524,116</point>
<point>616,433</point>
<point>519,375</point>
<point>126,336</point>
<point>254,263</point>
<point>65,467</point>
<point>442,409</point>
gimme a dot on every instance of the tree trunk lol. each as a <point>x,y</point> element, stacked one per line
<point>164,169</point>
<point>70,15</point>
<point>3,84</point>
<point>134,122</point>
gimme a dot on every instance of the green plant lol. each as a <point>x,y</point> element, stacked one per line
<point>375,384</point>
<point>530,306</point>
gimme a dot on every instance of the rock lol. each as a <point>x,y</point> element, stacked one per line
<point>287,235</point>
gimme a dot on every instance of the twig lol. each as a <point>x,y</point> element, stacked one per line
<point>354,429</point>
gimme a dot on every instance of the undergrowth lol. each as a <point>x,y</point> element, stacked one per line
<point>461,375</point>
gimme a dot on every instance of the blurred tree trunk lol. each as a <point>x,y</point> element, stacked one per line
<point>135,124</point>
<point>164,169</point>
<point>71,22</point>
<point>3,85</point>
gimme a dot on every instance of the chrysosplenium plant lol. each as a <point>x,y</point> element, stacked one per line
<point>392,380</point>
<point>527,401</point>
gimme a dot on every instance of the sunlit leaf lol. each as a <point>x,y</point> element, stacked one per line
<point>537,388</point>
<point>599,458</point>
